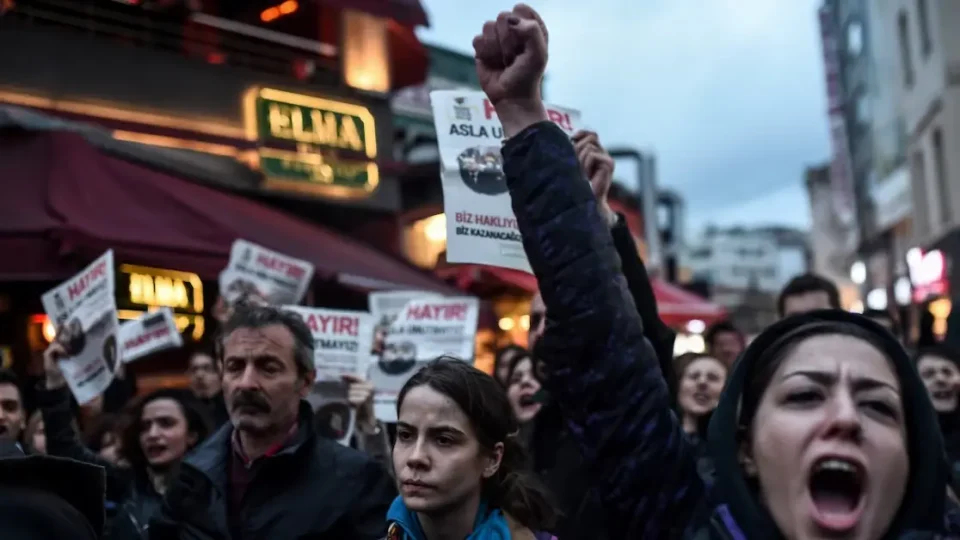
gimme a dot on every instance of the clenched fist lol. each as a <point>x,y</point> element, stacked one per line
<point>511,56</point>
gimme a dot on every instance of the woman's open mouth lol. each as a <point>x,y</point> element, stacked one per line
<point>702,398</point>
<point>942,395</point>
<point>837,493</point>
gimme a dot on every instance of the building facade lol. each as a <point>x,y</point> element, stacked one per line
<point>749,265</point>
<point>929,83</point>
<point>277,110</point>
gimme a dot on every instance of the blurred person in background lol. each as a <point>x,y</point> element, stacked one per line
<point>523,391</point>
<point>104,438</point>
<point>502,360</point>
<point>724,342</point>
<point>34,436</point>
<point>266,473</point>
<point>161,428</point>
<point>204,375</point>
<point>460,467</point>
<point>939,368</point>
<point>807,292</point>
<point>701,379</point>
<point>13,417</point>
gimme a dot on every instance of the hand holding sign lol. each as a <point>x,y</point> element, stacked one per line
<point>54,377</point>
<point>360,395</point>
<point>597,165</point>
<point>511,57</point>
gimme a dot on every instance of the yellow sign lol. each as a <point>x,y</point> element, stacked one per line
<point>148,289</point>
<point>318,127</point>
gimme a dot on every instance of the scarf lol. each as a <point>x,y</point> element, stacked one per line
<point>404,525</point>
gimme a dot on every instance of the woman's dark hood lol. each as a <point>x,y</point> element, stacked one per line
<point>924,501</point>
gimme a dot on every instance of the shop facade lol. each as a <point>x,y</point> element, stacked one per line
<point>165,135</point>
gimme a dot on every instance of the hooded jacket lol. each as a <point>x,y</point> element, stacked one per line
<point>605,376</point>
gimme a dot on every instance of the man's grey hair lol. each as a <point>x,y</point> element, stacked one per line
<point>256,316</point>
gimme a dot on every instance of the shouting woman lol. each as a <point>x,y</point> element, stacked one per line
<point>824,430</point>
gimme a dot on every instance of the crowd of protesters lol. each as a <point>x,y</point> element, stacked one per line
<point>823,426</point>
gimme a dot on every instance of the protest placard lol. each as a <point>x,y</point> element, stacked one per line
<point>83,310</point>
<point>481,227</point>
<point>342,342</point>
<point>425,329</point>
<point>150,333</point>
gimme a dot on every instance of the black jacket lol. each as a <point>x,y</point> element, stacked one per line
<point>48,497</point>
<point>313,489</point>
<point>133,495</point>
<point>555,455</point>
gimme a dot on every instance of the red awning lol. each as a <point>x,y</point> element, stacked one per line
<point>678,306</point>
<point>57,186</point>
<point>466,276</point>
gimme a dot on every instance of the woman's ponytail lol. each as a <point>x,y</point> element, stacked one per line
<point>517,492</point>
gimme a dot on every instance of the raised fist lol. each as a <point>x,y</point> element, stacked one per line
<point>597,166</point>
<point>511,55</point>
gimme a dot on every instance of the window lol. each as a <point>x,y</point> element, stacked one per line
<point>943,186</point>
<point>919,172</point>
<point>854,39</point>
<point>906,59</point>
<point>923,20</point>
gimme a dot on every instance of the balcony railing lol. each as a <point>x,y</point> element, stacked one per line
<point>198,35</point>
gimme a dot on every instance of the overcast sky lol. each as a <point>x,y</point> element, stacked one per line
<point>729,93</point>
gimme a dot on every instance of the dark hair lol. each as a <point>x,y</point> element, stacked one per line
<point>941,350</point>
<point>805,284</point>
<point>515,363</point>
<point>512,489</point>
<point>503,353</point>
<point>106,423</point>
<point>247,315</point>
<point>197,424</point>
<point>779,350</point>
<point>682,362</point>
<point>721,327</point>
<point>9,377</point>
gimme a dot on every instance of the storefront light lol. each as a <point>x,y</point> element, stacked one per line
<point>696,326</point>
<point>366,56</point>
<point>435,228</point>
<point>856,306</point>
<point>507,324</point>
<point>902,291</point>
<point>49,331</point>
<point>858,272</point>
<point>877,299</point>
<point>525,322</point>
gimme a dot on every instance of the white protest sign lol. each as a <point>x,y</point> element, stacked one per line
<point>481,227</point>
<point>264,275</point>
<point>422,331</point>
<point>150,333</point>
<point>84,312</point>
<point>342,341</point>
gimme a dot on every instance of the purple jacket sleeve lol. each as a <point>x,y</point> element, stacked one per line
<point>600,369</point>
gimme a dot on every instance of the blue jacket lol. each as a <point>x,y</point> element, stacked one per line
<point>601,370</point>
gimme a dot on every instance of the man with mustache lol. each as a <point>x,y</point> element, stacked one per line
<point>267,473</point>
